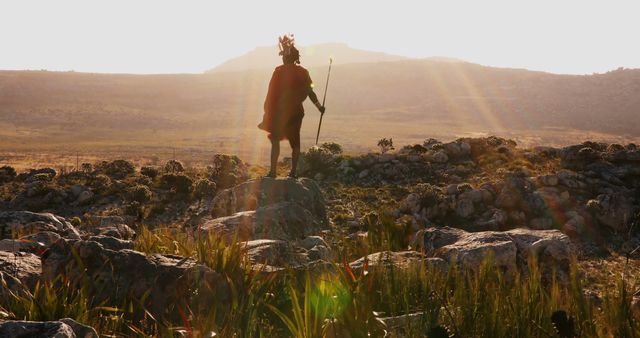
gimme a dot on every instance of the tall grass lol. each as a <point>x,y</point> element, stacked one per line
<point>340,302</point>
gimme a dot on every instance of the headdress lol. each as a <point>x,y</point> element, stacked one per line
<point>288,48</point>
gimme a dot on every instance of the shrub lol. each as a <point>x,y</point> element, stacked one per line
<point>318,160</point>
<point>86,167</point>
<point>332,148</point>
<point>150,172</point>
<point>7,174</point>
<point>116,169</point>
<point>100,182</point>
<point>41,177</point>
<point>204,187</point>
<point>385,145</point>
<point>177,182</point>
<point>140,193</point>
<point>227,171</point>
<point>173,166</point>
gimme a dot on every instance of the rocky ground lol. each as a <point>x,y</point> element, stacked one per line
<point>134,232</point>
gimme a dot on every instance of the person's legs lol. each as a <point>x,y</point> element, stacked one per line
<point>275,153</point>
<point>294,141</point>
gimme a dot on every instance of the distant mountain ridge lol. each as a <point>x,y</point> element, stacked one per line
<point>310,56</point>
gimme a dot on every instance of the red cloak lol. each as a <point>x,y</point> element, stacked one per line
<point>289,87</point>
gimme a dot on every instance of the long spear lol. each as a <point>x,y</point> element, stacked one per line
<point>324,98</point>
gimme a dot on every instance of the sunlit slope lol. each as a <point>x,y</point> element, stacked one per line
<point>406,100</point>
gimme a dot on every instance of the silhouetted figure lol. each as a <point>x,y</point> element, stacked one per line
<point>283,112</point>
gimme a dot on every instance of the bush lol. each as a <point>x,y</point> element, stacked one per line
<point>173,166</point>
<point>318,160</point>
<point>140,193</point>
<point>204,187</point>
<point>385,145</point>
<point>100,183</point>
<point>116,169</point>
<point>227,171</point>
<point>7,174</point>
<point>150,172</point>
<point>42,177</point>
<point>86,167</point>
<point>177,182</point>
<point>332,148</point>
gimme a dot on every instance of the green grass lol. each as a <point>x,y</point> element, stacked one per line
<point>338,302</point>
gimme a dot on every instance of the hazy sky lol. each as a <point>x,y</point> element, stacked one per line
<point>155,36</point>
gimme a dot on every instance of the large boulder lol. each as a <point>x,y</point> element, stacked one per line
<point>269,208</point>
<point>115,276</point>
<point>266,191</point>
<point>510,249</point>
<point>63,328</point>
<point>23,266</point>
<point>285,221</point>
<point>26,222</point>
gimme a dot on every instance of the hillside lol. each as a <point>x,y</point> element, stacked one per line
<point>311,56</point>
<point>408,100</point>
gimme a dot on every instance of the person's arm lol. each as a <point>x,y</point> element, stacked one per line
<point>312,95</point>
<point>314,98</point>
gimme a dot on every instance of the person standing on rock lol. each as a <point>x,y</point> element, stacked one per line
<point>283,112</point>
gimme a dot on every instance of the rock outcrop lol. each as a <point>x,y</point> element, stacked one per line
<point>510,249</point>
<point>26,222</point>
<point>117,275</point>
<point>267,208</point>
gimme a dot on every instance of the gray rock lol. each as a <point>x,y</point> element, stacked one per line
<point>81,331</point>
<point>615,211</point>
<point>26,222</point>
<point>363,174</point>
<point>121,231</point>
<point>311,241</point>
<point>398,260</point>
<point>284,209</point>
<point>22,329</point>
<point>270,252</point>
<point>167,281</point>
<point>464,207</point>
<point>24,266</point>
<point>510,249</point>
<point>84,197</point>
<point>440,157</point>
<point>258,193</point>
<point>284,221</point>
<point>112,243</point>
<point>35,243</point>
